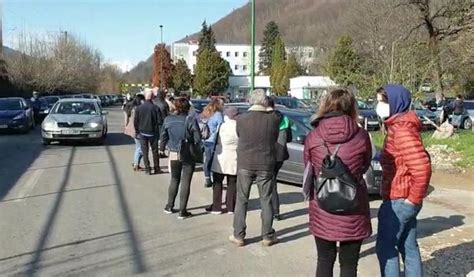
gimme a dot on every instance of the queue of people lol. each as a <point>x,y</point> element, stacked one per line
<point>249,149</point>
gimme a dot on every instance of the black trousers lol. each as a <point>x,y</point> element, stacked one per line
<point>348,257</point>
<point>217,192</point>
<point>275,198</point>
<point>181,176</point>
<point>146,143</point>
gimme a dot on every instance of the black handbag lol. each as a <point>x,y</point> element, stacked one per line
<point>336,188</point>
<point>190,151</point>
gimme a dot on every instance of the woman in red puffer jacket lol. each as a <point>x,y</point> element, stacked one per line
<point>337,124</point>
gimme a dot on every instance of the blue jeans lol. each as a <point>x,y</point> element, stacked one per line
<point>397,235</point>
<point>138,153</point>
<point>208,153</point>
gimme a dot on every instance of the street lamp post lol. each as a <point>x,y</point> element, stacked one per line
<point>394,43</point>
<point>252,66</point>
<point>161,59</point>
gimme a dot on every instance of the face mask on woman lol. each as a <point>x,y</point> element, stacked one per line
<point>383,110</point>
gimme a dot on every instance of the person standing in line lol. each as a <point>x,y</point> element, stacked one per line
<point>258,133</point>
<point>130,111</point>
<point>212,114</point>
<point>406,169</point>
<point>284,136</point>
<point>161,103</point>
<point>336,127</point>
<point>224,163</point>
<point>177,127</point>
<point>147,122</point>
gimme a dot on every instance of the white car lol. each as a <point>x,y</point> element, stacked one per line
<point>75,119</point>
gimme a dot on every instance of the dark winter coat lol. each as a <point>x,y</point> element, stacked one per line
<point>356,152</point>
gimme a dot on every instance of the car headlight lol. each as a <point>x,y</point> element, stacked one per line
<point>49,124</point>
<point>94,123</point>
<point>19,117</point>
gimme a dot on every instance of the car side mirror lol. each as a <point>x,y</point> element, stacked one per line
<point>300,139</point>
<point>105,112</point>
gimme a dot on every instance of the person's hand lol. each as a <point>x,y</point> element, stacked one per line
<point>409,202</point>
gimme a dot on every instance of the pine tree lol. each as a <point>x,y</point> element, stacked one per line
<point>181,76</point>
<point>158,65</point>
<point>277,76</point>
<point>207,39</point>
<point>270,35</point>
<point>211,74</point>
<point>344,65</point>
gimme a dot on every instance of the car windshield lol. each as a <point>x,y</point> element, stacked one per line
<point>304,120</point>
<point>363,105</point>
<point>75,108</point>
<point>10,105</point>
<point>51,99</point>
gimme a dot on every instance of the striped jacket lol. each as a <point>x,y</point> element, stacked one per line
<point>405,163</point>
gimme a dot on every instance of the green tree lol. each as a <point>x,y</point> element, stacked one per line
<point>181,76</point>
<point>270,35</point>
<point>293,68</point>
<point>207,39</point>
<point>211,74</point>
<point>344,65</point>
<point>278,78</point>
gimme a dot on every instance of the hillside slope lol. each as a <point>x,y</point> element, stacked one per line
<point>302,22</point>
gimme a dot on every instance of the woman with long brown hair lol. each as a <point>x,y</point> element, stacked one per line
<point>212,116</point>
<point>336,130</point>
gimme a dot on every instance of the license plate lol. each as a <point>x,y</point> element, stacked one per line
<point>70,132</point>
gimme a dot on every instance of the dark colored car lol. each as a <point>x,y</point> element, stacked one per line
<point>368,118</point>
<point>293,169</point>
<point>200,104</point>
<point>51,100</point>
<point>293,103</point>
<point>425,115</point>
<point>16,114</point>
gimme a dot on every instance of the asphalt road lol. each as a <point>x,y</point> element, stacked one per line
<point>80,210</point>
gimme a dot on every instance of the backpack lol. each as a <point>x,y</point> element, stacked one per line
<point>204,129</point>
<point>336,188</point>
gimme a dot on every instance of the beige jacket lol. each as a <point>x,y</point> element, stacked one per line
<point>225,155</point>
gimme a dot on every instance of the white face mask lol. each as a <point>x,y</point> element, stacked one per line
<point>383,110</point>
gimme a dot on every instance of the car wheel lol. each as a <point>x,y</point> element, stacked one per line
<point>467,124</point>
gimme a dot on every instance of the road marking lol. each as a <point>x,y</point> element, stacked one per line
<point>29,184</point>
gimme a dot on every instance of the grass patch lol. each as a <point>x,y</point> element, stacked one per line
<point>462,142</point>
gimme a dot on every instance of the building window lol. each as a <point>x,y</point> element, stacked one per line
<point>245,54</point>
<point>236,54</point>
<point>244,67</point>
<point>228,54</point>
<point>194,53</point>
<point>310,54</point>
<point>236,67</point>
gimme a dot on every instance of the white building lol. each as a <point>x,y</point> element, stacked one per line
<point>238,55</point>
<point>310,87</point>
<point>239,86</point>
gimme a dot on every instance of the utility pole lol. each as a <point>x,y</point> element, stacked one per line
<point>161,59</point>
<point>252,65</point>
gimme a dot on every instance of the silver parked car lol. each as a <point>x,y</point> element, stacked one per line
<point>75,119</point>
<point>293,169</point>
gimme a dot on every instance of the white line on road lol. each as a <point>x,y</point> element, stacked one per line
<point>29,184</point>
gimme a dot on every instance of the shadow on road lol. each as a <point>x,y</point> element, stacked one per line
<point>34,265</point>
<point>139,262</point>
<point>426,227</point>
<point>286,198</point>
<point>116,139</point>
<point>17,154</point>
<point>452,261</point>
